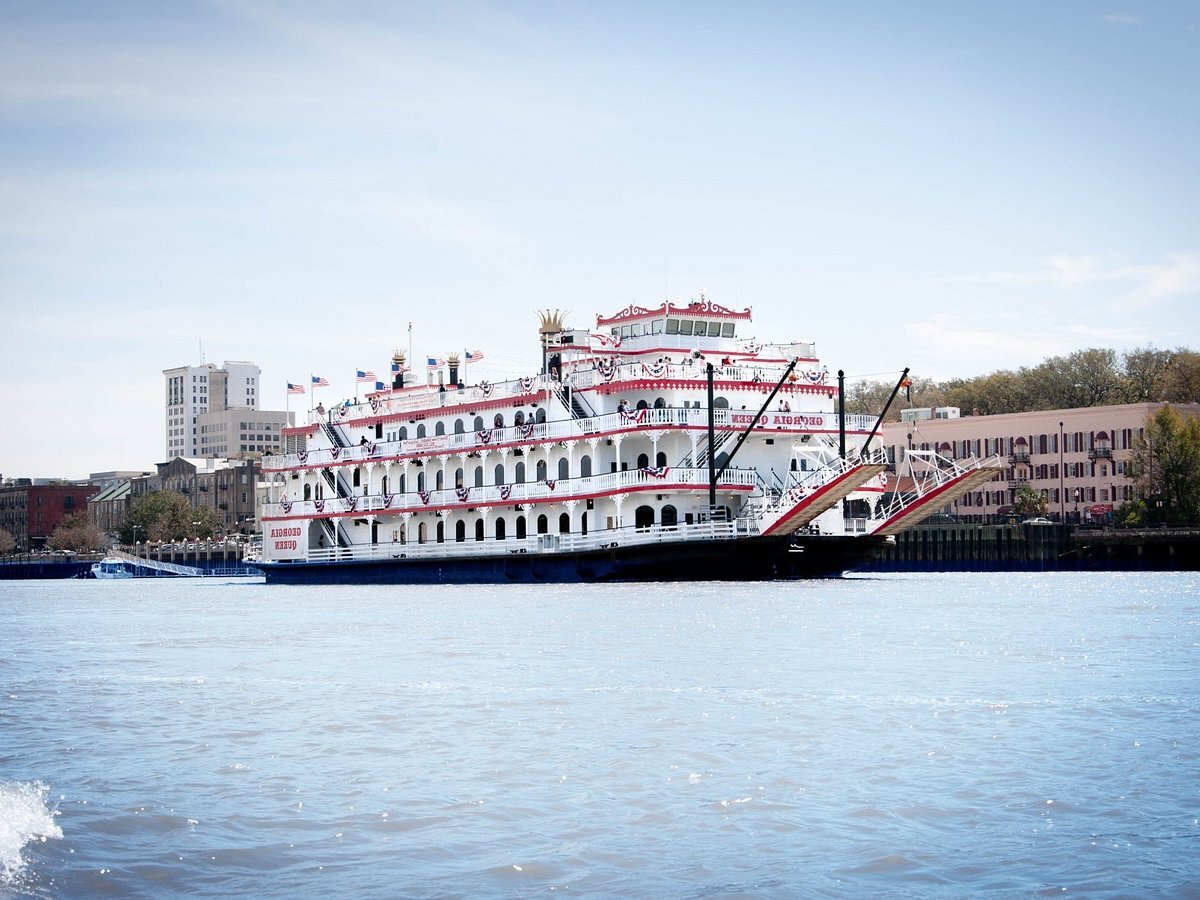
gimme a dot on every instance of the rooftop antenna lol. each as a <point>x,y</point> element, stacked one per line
<point>200,341</point>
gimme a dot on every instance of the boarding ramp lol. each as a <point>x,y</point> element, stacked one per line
<point>936,481</point>
<point>156,565</point>
<point>814,493</point>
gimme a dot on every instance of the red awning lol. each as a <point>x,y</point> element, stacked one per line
<point>1099,509</point>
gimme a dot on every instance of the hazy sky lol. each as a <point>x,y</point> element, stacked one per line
<point>954,187</point>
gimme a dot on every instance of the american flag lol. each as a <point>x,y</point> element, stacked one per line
<point>379,385</point>
<point>432,363</point>
<point>295,388</point>
<point>474,355</point>
<point>368,375</point>
<point>318,381</point>
<point>397,368</point>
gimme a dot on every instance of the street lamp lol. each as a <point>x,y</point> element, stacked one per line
<point>1077,493</point>
<point>1062,497</point>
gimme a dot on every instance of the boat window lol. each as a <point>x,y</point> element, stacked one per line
<point>519,417</point>
<point>643,461</point>
<point>714,329</point>
<point>439,478</point>
<point>727,329</point>
<point>458,426</point>
<point>642,404</point>
<point>543,525</point>
<point>585,466</point>
<point>421,481</point>
<point>541,416</point>
<point>685,326</point>
<point>660,403</point>
<point>656,326</point>
<point>499,474</point>
<point>479,423</point>
<point>564,470</point>
<point>440,428</point>
<point>519,474</point>
<point>564,524</point>
<point>626,331</point>
<point>661,459</point>
<point>458,478</point>
<point>403,484</point>
<point>441,531</point>
<point>308,492</point>
<point>672,326</point>
<point>403,433</point>
<point>479,476</point>
<point>500,529</point>
<point>421,430</point>
<point>541,470</point>
<point>520,527</point>
<point>498,421</point>
<point>479,529</point>
<point>700,329</point>
<point>460,531</point>
<point>421,533</point>
<point>720,403</point>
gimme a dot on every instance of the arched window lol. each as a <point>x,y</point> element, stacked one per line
<point>642,404</point>
<point>460,531</point>
<point>356,479</point>
<point>519,417</point>
<point>403,483</point>
<point>458,426</point>
<point>660,403</point>
<point>670,516</point>
<point>403,432</point>
<point>479,529</point>
<point>519,474</point>
<point>720,403</point>
<point>421,533</point>
<point>541,470</point>
<point>520,527</point>
<point>441,531</point>
<point>458,477</point>
<point>541,416</point>
<point>308,492</point>
<point>500,528</point>
<point>421,430</point>
<point>479,476</point>
<point>499,473</point>
<point>722,458</point>
<point>564,524</point>
<point>439,478</point>
<point>585,466</point>
<point>479,423</point>
<point>421,480</point>
<point>383,488</point>
<point>564,468</point>
<point>643,516</point>
<point>498,421</point>
<point>643,461</point>
<point>543,525</point>
<point>661,459</point>
<point>439,428</point>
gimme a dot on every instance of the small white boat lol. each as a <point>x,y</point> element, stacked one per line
<point>111,567</point>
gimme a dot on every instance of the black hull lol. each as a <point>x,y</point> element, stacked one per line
<point>754,559</point>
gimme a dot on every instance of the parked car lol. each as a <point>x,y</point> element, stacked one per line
<point>1039,520</point>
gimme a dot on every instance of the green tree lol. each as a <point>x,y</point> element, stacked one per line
<point>1143,372</point>
<point>1166,467</point>
<point>1030,502</point>
<point>167,516</point>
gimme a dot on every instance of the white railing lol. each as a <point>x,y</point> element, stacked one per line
<point>532,544</point>
<point>568,429</point>
<point>771,508</point>
<point>928,470</point>
<point>493,495</point>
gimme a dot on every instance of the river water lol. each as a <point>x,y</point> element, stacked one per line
<point>897,736</point>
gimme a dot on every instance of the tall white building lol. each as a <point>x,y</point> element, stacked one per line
<point>194,391</point>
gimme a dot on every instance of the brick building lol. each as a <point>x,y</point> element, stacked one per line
<point>31,512</point>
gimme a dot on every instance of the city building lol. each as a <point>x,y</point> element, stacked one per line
<point>30,512</point>
<point>1077,458</point>
<point>213,412</point>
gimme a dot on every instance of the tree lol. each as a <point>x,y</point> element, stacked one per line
<point>77,533</point>
<point>1030,502</point>
<point>1166,467</point>
<point>1143,372</point>
<point>167,516</point>
<point>8,543</point>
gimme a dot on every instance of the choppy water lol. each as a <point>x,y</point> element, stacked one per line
<point>907,736</point>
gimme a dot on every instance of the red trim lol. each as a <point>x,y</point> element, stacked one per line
<point>633,489</point>
<point>811,499</point>
<point>705,308</point>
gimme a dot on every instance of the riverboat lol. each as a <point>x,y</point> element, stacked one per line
<point>662,443</point>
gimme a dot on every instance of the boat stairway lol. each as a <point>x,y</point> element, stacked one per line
<point>156,565</point>
<point>933,482</point>
<point>818,491</point>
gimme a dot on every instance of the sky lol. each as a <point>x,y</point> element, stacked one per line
<point>958,188</point>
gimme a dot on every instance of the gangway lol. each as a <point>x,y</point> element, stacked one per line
<point>936,481</point>
<point>158,565</point>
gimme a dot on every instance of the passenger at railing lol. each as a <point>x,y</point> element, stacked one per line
<point>321,409</point>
